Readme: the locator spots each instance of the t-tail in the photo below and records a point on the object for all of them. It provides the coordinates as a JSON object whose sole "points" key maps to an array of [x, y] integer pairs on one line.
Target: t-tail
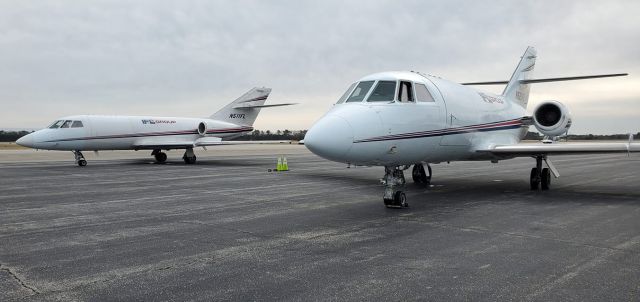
{"points": [[244, 110], [517, 89]]}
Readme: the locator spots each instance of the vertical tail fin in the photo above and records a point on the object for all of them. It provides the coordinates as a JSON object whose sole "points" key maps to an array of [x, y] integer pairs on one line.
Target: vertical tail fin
{"points": [[518, 92], [244, 110]]}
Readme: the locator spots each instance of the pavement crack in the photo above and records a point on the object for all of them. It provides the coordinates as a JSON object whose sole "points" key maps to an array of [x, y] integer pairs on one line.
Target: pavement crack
{"points": [[6, 269]]}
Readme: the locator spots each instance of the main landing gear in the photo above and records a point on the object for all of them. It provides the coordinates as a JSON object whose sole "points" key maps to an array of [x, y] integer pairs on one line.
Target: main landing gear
{"points": [[79, 158], [392, 180], [540, 177], [420, 176], [160, 156], [189, 157]]}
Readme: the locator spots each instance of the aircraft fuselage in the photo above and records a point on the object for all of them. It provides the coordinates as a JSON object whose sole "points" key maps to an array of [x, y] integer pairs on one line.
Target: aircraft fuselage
{"points": [[128, 132], [457, 120]]}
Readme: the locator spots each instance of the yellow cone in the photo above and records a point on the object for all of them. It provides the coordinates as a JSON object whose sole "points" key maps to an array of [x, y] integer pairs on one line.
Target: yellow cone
{"points": [[279, 165], [285, 166]]}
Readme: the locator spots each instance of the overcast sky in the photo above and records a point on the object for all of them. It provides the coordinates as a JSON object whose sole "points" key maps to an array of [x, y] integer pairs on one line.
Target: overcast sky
{"points": [[189, 58]]}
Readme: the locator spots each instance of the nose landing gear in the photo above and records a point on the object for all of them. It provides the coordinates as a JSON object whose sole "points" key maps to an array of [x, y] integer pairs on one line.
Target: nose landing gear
{"points": [[392, 180], [79, 158]]}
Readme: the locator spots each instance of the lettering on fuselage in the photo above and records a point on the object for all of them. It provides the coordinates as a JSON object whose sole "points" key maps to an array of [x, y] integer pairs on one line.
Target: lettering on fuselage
{"points": [[153, 122], [490, 99], [236, 115]]}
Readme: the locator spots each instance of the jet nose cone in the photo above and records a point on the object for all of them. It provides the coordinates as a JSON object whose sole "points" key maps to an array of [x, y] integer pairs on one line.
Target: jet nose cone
{"points": [[26, 141], [331, 137]]}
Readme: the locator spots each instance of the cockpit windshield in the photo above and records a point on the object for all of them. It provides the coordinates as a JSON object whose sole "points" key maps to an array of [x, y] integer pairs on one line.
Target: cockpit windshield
{"points": [[66, 124], [360, 92], [384, 92], [346, 94], [56, 124]]}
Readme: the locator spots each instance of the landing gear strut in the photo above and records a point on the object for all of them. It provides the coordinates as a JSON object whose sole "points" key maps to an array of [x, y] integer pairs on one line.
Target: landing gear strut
{"points": [[79, 158], [393, 178], [189, 157], [420, 176], [160, 156], [540, 177]]}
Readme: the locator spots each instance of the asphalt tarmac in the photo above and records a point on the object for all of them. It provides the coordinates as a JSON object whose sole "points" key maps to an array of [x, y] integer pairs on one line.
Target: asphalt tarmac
{"points": [[125, 228]]}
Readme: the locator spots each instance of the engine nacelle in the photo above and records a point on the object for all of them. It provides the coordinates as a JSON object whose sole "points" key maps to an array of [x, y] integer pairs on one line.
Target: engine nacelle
{"points": [[202, 128], [552, 118]]}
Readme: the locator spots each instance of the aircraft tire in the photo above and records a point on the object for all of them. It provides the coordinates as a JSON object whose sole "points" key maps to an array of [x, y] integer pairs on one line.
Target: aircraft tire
{"points": [[161, 157], [534, 180], [545, 180], [415, 174], [400, 199], [419, 175], [82, 162], [387, 202]]}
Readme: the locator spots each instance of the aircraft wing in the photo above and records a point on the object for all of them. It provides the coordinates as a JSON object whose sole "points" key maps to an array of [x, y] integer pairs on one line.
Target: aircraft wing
{"points": [[156, 143], [216, 141], [201, 142], [534, 149]]}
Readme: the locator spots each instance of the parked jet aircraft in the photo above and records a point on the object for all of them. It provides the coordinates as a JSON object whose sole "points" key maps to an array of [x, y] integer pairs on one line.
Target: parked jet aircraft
{"points": [[97, 132], [399, 119]]}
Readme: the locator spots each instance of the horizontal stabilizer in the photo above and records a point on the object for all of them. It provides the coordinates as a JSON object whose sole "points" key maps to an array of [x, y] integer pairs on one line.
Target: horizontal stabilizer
{"points": [[531, 81], [263, 106]]}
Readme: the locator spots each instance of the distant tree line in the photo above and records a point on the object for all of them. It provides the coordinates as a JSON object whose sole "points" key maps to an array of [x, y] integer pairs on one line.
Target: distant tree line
{"points": [[260, 135], [537, 136], [12, 136]]}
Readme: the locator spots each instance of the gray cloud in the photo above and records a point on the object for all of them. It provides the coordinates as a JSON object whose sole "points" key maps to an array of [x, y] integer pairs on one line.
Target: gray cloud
{"points": [[191, 57]]}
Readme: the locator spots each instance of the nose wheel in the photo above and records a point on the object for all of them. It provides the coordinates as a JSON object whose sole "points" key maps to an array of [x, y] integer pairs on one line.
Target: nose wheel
{"points": [[79, 158], [393, 180]]}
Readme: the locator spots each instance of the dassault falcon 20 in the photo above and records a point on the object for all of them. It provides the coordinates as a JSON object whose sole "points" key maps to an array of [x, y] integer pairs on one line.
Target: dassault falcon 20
{"points": [[96, 132], [399, 119]]}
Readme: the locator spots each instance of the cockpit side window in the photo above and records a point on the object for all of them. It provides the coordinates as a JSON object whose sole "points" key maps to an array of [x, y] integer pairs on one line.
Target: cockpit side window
{"points": [[422, 93], [66, 124], [77, 124], [384, 92], [346, 94], [405, 94], [360, 92], [56, 124]]}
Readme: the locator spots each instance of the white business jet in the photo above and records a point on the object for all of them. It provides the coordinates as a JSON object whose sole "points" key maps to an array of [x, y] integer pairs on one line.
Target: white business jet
{"points": [[399, 119], [98, 132]]}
